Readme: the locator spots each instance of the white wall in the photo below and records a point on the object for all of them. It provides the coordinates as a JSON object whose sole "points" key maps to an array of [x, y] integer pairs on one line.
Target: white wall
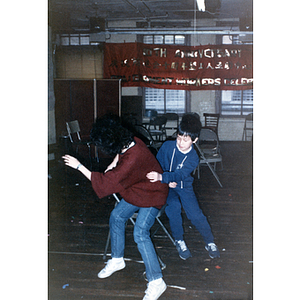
{"points": [[231, 129]]}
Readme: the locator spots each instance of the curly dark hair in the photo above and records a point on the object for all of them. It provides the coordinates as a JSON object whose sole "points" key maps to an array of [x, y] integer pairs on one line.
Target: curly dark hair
{"points": [[190, 125], [110, 136]]}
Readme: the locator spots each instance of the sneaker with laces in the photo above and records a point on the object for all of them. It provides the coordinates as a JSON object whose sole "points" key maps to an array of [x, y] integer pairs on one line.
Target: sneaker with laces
{"points": [[154, 289], [184, 252], [213, 250], [111, 267]]}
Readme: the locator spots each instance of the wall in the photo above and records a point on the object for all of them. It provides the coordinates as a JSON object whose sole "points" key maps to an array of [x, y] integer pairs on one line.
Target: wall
{"points": [[79, 62], [231, 129], [51, 98]]}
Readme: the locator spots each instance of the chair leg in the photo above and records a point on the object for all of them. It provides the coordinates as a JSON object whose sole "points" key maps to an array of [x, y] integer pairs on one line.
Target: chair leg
{"points": [[165, 230], [214, 173], [162, 264], [106, 246], [90, 156]]}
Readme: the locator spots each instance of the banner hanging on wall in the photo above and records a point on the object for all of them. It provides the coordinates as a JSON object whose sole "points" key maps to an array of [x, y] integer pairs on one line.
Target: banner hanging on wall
{"points": [[209, 67]]}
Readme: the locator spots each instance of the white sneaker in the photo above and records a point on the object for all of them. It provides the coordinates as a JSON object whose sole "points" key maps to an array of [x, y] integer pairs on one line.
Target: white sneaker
{"points": [[111, 267], [155, 289]]}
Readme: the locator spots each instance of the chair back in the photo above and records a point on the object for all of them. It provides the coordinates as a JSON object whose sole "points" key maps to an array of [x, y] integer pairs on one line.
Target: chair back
{"points": [[171, 117], [172, 121], [159, 121], [212, 121], [248, 126], [73, 129], [209, 141], [144, 134], [249, 117]]}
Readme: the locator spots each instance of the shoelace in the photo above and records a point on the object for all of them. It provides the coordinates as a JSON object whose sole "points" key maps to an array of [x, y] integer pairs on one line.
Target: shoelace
{"points": [[109, 265], [182, 245]]}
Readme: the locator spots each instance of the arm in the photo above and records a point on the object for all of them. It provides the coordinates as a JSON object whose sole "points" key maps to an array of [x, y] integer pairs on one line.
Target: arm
{"points": [[75, 164], [155, 176], [113, 164], [176, 176]]}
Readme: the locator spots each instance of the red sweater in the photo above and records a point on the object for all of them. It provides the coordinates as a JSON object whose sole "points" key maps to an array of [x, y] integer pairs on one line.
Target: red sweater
{"points": [[129, 179]]}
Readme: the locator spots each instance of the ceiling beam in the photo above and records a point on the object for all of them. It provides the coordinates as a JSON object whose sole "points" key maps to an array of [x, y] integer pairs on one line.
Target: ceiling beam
{"points": [[173, 31]]}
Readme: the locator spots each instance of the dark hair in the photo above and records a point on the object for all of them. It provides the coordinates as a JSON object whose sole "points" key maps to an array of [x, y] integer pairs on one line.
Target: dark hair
{"points": [[109, 135], [190, 125]]}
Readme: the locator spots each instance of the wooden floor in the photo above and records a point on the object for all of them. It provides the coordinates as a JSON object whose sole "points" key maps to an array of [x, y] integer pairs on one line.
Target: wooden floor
{"points": [[78, 228]]}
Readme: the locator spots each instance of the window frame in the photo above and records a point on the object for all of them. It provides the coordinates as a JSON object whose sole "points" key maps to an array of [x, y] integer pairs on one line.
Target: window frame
{"points": [[68, 39], [242, 105]]}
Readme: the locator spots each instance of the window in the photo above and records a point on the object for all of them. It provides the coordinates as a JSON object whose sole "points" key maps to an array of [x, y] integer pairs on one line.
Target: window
{"points": [[165, 100], [235, 103], [164, 39], [74, 39]]}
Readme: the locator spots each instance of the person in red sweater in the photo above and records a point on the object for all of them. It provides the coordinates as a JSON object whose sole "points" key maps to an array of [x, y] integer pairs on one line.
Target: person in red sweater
{"points": [[126, 175]]}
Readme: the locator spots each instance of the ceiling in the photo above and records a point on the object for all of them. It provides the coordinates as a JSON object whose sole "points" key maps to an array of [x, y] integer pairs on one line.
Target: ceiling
{"points": [[76, 15]]}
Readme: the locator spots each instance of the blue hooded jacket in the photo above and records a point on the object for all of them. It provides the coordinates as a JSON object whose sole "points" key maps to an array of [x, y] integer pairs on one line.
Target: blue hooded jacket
{"points": [[177, 166]]}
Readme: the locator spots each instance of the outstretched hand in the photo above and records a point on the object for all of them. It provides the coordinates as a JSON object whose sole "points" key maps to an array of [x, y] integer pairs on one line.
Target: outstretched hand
{"points": [[154, 176], [71, 161]]}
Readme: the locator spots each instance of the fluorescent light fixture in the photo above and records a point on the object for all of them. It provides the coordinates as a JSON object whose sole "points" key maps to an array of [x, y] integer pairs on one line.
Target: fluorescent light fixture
{"points": [[201, 5]]}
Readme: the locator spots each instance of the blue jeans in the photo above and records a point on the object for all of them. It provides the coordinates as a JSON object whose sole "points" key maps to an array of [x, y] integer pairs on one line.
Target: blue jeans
{"points": [[144, 221], [187, 199]]}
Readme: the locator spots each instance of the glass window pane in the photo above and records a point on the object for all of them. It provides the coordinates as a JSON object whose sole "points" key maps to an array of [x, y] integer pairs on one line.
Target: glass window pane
{"points": [[231, 102], [237, 102], [175, 101], [227, 39], [158, 39], [169, 39], [247, 102], [148, 39], [74, 39], [64, 40], [154, 99], [84, 40], [179, 39]]}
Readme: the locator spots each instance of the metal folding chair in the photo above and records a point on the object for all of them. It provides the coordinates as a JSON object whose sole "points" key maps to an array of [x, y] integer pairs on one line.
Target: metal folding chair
{"points": [[248, 127], [211, 121], [75, 138], [144, 134], [209, 152], [162, 264], [159, 128]]}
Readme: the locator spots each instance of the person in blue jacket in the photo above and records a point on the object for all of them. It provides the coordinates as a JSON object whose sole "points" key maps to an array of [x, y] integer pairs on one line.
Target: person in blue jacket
{"points": [[178, 159]]}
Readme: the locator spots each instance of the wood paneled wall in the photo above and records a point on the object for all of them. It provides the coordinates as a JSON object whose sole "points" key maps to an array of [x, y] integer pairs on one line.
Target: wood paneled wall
{"points": [[80, 62], [84, 100]]}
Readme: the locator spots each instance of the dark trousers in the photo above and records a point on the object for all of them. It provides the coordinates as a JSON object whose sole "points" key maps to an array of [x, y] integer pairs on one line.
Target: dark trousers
{"points": [[187, 199]]}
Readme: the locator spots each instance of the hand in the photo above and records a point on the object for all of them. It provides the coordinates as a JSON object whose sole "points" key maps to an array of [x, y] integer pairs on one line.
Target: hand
{"points": [[154, 176], [172, 185], [71, 161]]}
